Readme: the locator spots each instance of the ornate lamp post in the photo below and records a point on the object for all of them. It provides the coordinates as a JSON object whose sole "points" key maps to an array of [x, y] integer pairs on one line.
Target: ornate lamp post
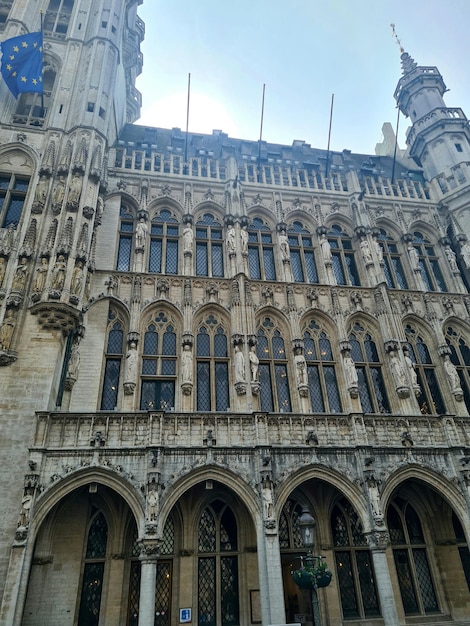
{"points": [[311, 576]]}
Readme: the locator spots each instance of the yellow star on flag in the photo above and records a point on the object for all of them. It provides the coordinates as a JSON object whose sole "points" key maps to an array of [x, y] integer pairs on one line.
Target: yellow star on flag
{"points": [[16, 49], [24, 79], [24, 44]]}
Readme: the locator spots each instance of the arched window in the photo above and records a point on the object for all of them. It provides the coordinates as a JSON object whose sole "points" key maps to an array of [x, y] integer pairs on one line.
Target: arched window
{"points": [[113, 360], [302, 257], [57, 18], [134, 580], [158, 364], [93, 572], [342, 256], [393, 269], [273, 377], [411, 559], [428, 263], [290, 537], [370, 380], [260, 251], [430, 400], [126, 235], [460, 357], [13, 190], [209, 247], [164, 243], [354, 568], [212, 366], [324, 394], [462, 545], [4, 11], [164, 576], [32, 107], [218, 597]]}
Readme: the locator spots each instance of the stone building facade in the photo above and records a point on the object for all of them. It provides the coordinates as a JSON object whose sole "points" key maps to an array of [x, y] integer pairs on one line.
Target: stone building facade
{"points": [[195, 351]]}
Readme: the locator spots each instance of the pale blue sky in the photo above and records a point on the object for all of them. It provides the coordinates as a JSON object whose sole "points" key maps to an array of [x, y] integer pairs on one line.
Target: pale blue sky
{"points": [[304, 50]]}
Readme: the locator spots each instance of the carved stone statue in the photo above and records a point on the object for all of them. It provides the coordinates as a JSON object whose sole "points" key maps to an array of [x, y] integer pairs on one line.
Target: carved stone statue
{"points": [[41, 274], [365, 251], [152, 505], [74, 361], [112, 284], [268, 501], [244, 239], [452, 374], [397, 369], [301, 370], [187, 364], [58, 192], [130, 375], [141, 234], [41, 191], [75, 190], [3, 269], [284, 246], [231, 239], [188, 237], [239, 365], [254, 364], [77, 279], [325, 248], [350, 371], [26, 503], [451, 258], [19, 280], [411, 369], [379, 251], [58, 273], [6, 329], [414, 257], [465, 252]]}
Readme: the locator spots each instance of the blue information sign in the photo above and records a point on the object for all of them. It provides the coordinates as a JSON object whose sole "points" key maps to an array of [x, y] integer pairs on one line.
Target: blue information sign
{"points": [[185, 616]]}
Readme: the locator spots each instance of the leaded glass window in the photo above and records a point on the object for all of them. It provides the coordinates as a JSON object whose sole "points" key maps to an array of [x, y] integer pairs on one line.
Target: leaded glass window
{"points": [[342, 257], [410, 554], [163, 593], [32, 107], [13, 190], [261, 251], [460, 357], [273, 371], [322, 382], [290, 537], [158, 364], [354, 567], [430, 399], [462, 545], [134, 579], [113, 361], [428, 263], [164, 243], [209, 247], [126, 236], [57, 17], [93, 572], [302, 258], [371, 384], [212, 366], [393, 269], [218, 596]]}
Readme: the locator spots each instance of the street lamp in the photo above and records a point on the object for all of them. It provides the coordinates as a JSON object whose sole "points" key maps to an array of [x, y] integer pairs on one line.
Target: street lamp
{"points": [[307, 525]]}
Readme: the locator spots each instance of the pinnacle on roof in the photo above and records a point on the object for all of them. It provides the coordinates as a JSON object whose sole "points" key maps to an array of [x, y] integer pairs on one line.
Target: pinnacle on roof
{"points": [[408, 64]]}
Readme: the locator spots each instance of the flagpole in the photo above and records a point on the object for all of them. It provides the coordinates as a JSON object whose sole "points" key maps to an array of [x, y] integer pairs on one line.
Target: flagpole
{"points": [[396, 146], [261, 134], [42, 92], [329, 137], [187, 121]]}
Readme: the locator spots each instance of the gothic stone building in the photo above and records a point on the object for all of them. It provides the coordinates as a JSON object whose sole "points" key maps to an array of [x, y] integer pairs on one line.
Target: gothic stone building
{"points": [[196, 351]]}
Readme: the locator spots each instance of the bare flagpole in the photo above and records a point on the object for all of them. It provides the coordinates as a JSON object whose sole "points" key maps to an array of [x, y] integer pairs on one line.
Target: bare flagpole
{"points": [[261, 134], [187, 121], [396, 146], [42, 92], [329, 137]]}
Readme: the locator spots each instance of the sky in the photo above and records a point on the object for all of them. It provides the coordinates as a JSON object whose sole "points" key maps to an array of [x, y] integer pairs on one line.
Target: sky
{"points": [[303, 51]]}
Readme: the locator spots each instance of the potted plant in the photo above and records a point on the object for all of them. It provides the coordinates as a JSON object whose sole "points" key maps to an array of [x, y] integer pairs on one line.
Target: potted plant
{"points": [[312, 576]]}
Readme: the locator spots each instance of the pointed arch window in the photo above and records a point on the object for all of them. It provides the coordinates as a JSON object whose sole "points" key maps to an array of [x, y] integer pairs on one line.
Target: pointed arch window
{"points": [[93, 572], [113, 360], [261, 251], [164, 244], [32, 108], [126, 235], [462, 545], [411, 559], [354, 568], [13, 190], [322, 381], [134, 580], [428, 262], [304, 269], [460, 357], [212, 366], [57, 18], [393, 269], [342, 256], [158, 364], [218, 596], [273, 372], [430, 400], [371, 384], [209, 247]]}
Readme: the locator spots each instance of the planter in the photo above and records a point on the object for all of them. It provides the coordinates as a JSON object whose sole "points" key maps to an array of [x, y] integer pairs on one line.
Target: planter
{"points": [[311, 579]]}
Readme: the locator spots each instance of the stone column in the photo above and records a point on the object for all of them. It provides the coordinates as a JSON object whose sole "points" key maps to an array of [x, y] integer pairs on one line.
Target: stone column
{"points": [[378, 541], [148, 579], [270, 574]]}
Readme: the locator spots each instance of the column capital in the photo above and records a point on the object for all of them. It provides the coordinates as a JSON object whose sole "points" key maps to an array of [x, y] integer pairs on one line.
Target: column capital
{"points": [[377, 540]]}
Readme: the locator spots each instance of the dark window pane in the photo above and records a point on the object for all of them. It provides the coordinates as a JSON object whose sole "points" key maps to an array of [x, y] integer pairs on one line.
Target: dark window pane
{"points": [[367, 584], [221, 387], [316, 396], [465, 559], [206, 592], [202, 267], [266, 396], [379, 390], [168, 367], [332, 392], [282, 387], [220, 344], [399, 274], [352, 269], [89, 614], [150, 342], [441, 286], [169, 343], [217, 260], [346, 585], [163, 594], [296, 264], [124, 254], [171, 257], [426, 586], [364, 391], [155, 258], [253, 257], [229, 591], [405, 580], [14, 211], [437, 401], [310, 264], [269, 267], [203, 344], [203, 386], [338, 269], [97, 538], [110, 384]]}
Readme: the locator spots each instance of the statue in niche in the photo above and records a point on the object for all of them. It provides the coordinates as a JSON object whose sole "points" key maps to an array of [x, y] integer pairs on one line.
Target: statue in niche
{"points": [[77, 279], [6, 329], [325, 248], [231, 239], [19, 280], [465, 252], [40, 276], [244, 239], [26, 504], [187, 364], [411, 369], [74, 361], [268, 500], [3, 269], [41, 191], [414, 257], [188, 238], [301, 370], [254, 364], [239, 365], [284, 246], [379, 251], [58, 192], [131, 364], [75, 190], [451, 258], [365, 251], [350, 371], [152, 505], [397, 370], [141, 234], [452, 374], [58, 273]]}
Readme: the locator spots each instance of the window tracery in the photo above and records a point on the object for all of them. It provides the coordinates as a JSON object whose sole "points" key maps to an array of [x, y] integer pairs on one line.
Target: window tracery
{"points": [[273, 371], [430, 400], [209, 247], [261, 251], [212, 366], [13, 190], [342, 257], [302, 256], [113, 360]]}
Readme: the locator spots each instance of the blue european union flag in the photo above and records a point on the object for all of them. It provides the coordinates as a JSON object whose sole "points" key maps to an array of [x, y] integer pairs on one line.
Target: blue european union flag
{"points": [[22, 63]]}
